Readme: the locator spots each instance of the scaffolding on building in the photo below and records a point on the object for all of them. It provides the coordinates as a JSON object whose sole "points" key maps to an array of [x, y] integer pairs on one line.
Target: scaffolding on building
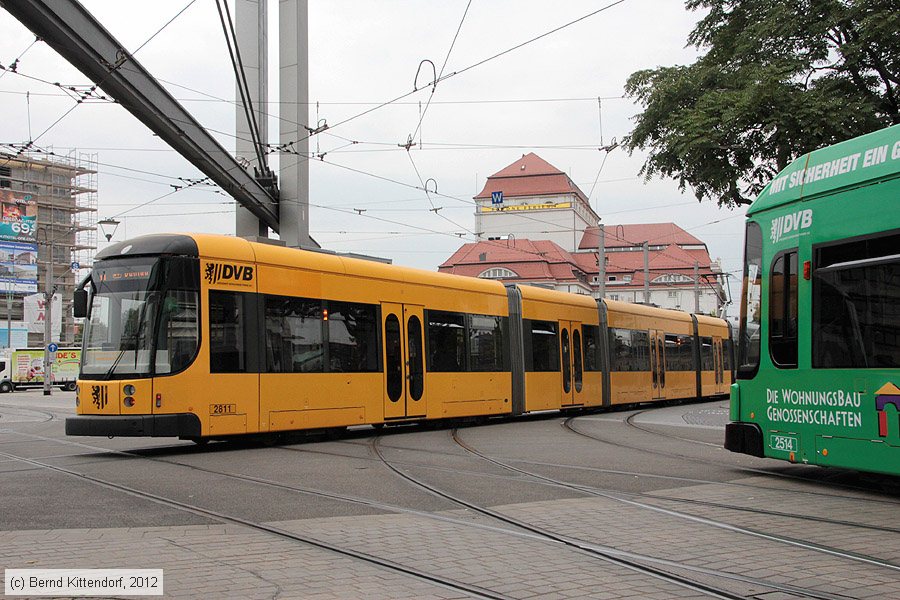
{"points": [[64, 189]]}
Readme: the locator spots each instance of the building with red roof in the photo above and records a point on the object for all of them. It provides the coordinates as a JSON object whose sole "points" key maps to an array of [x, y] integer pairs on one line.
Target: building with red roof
{"points": [[533, 199], [543, 232], [537, 262]]}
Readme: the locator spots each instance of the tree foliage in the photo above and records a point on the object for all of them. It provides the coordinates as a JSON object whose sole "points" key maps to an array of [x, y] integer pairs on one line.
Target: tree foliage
{"points": [[779, 78]]}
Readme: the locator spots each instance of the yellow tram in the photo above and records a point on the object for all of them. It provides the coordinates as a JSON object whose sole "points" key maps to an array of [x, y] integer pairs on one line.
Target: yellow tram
{"points": [[202, 336]]}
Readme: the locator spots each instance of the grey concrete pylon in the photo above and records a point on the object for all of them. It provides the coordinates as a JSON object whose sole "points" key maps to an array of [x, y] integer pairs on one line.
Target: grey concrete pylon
{"points": [[293, 69]]}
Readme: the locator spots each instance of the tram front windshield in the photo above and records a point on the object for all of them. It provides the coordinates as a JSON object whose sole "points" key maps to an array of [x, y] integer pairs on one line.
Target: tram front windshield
{"points": [[142, 320]]}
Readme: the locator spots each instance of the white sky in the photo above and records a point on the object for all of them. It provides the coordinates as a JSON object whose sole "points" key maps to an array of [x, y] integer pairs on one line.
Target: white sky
{"points": [[368, 52]]}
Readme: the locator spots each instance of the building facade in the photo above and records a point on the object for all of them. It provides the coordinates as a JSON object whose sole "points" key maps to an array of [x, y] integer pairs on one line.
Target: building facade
{"points": [[48, 224], [545, 233], [537, 201]]}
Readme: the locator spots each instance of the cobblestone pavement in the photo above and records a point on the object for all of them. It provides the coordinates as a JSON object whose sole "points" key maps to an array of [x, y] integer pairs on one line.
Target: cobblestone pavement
{"points": [[54, 520]]}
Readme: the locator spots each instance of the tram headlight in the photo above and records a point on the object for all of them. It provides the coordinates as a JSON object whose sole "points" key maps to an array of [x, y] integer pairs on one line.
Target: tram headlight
{"points": [[129, 390]]}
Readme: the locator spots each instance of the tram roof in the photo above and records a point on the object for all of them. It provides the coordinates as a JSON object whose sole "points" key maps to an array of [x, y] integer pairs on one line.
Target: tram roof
{"points": [[321, 261], [852, 163]]}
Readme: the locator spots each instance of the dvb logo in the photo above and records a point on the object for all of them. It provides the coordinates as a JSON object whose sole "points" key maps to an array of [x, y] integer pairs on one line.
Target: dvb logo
{"points": [[220, 272], [99, 396]]}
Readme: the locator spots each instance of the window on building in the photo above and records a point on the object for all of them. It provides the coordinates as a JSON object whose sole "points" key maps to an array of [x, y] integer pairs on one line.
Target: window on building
{"points": [[856, 304], [498, 273], [227, 333], [783, 310]]}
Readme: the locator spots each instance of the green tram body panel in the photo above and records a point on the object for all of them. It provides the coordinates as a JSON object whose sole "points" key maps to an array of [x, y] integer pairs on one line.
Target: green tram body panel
{"points": [[820, 413]]}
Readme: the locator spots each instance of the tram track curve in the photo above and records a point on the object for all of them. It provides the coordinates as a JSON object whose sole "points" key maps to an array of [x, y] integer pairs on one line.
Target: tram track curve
{"points": [[445, 582], [367, 502], [567, 424], [629, 560], [650, 497], [622, 498]]}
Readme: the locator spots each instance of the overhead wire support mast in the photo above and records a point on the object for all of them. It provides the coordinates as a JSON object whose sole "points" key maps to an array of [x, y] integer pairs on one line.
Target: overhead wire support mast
{"points": [[265, 175], [67, 27]]}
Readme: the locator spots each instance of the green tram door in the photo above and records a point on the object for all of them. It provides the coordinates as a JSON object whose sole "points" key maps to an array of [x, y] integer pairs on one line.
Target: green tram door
{"points": [[404, 360]]}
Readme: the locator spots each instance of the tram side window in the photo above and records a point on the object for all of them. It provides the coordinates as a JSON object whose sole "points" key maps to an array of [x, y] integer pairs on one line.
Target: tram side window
{"points": [[679, 352], [227, 333], [783, 310], [707, 357], [486, 343], [446, 341], [629, 350], [178, 331], [856, 304], [352, 338], [727, 354], [544, 341], [748, 338], [294, 335], [591, 337]]}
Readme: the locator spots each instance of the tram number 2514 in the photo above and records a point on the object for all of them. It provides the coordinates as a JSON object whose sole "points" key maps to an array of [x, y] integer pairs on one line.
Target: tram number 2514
{"points": [[784, 442]]}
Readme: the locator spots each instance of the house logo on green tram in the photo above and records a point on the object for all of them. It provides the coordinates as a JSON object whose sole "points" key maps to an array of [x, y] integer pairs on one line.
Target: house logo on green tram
{"points": [[888, 394]]}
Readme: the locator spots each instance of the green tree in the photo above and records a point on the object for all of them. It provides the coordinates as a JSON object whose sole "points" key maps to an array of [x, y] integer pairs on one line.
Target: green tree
{"points": [[778, 78]]}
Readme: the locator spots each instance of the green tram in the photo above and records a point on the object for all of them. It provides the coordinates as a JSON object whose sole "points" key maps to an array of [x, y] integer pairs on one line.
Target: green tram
{"points": [[818, 377]]}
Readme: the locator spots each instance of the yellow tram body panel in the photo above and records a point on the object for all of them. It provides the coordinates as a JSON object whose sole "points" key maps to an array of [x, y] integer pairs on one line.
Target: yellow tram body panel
{"points": [[288, 401], [257, 398], [546, 390], [715, 381], [640, 379]]}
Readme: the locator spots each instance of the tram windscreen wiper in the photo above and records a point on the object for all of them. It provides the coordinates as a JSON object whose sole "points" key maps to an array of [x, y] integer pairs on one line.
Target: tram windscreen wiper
{"points": [[134, 342], [115, 364]]}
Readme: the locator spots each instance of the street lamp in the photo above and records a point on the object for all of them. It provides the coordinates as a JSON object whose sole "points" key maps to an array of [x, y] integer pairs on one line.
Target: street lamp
{"points": [[49, 292], [110, 222]]}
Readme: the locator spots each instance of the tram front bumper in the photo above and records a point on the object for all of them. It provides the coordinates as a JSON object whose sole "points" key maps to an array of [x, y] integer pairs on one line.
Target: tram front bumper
{"points": [[746, 438], [183, 425]]}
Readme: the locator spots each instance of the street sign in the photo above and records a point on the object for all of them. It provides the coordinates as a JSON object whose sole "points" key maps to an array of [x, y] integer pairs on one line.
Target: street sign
{"points": [[75, 266], [53, 347], [496, 197]]}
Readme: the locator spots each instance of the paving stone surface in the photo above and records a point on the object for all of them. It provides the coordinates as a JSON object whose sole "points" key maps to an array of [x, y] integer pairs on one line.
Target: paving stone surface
{"points": [[50, 519]]}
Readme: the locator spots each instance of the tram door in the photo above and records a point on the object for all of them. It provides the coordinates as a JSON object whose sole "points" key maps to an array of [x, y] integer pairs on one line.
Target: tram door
{"points": [[572, 363], [658, 364], [404, 360], [719, 365]]}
